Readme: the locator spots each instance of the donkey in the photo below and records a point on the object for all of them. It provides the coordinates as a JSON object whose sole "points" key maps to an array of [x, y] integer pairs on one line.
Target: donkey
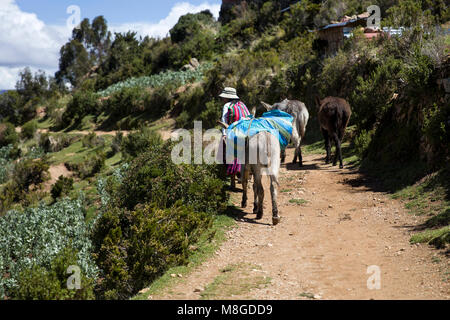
{"points": [[262, 157], [334, 116], [298, 110]]}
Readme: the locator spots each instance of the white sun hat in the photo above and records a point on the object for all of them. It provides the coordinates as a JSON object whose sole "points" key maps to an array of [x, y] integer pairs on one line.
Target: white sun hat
{"points": [[229, 93]]}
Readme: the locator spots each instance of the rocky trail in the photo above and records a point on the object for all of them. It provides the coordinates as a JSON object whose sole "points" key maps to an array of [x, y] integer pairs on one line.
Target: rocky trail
{"points": [[97, 132], [334, 226]]}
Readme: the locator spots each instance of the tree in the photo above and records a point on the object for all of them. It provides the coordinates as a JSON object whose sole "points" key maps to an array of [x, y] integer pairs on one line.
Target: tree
{"points": [[74, 63], [125, 59], [189, 24], [30, 87], [9, 102], [20, 106], [88, 47], [192, 36], [100, 40]]}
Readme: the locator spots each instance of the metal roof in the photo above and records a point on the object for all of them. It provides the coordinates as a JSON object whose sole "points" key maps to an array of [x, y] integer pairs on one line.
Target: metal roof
{"points": [[341, 24], [289, 8]]}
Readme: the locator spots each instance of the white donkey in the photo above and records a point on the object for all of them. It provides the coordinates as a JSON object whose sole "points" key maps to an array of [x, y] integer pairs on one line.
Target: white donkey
{"points": [[298, 110], [262, 157]]}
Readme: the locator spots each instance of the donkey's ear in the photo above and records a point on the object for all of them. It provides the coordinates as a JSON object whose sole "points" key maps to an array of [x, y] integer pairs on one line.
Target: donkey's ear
{"points": [[318, 101], [266, 105], [224, 125], [254, 111]]}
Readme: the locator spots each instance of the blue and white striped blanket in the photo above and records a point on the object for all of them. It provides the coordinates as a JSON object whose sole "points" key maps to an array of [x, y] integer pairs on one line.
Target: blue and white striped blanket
{"points": [[277, 122]]}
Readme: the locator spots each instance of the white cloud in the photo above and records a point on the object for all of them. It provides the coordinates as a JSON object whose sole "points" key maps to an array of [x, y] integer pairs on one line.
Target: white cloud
{"points": [[27, 41], [9, 75], [161, 29]]}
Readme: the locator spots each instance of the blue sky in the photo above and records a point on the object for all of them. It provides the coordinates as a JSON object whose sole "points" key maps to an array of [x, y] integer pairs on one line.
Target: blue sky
{"points": [[33, 31], [115, 11]]}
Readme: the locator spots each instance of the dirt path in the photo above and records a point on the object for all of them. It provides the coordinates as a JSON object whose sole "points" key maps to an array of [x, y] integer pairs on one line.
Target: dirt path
{"points": [[323, 248], [55, 172], [86, 132]]}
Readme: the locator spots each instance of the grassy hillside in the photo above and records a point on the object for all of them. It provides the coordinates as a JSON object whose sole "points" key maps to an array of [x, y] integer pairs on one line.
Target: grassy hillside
{"points": [[120, 186]]}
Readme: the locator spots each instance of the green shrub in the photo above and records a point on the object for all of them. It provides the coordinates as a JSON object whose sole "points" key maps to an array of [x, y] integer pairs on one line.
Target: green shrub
{"points": [[418, 70], [6, 163], [139, 142], [158, 101], [370, 98], [183, 120], [56, 142], [91, 140], [154, 210], [55, 110], [133, 248], [24, 174], [154, 178], [362, 143], [35, 152], [212, 112], [8, 134], [29, 129], [436, 128], [61, 187], [10, 152], [10, 104], [39, 235], [106, 187], [124, 102], [38, 283], [236, 32], [82, 104], [89, 167], [29, 172], [117, 142], [191, 102]]}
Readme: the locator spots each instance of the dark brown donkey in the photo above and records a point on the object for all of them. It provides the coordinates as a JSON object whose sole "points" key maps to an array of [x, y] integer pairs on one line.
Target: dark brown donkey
{"points": [[334, 115]]}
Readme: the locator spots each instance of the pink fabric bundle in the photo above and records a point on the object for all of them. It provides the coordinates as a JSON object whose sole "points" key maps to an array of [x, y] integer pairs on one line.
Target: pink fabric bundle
{"points": [[233, 168]]}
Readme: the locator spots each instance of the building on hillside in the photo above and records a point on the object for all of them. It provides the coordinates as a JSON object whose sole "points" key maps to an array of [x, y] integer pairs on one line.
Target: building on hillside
{"points": [[335, 33]]}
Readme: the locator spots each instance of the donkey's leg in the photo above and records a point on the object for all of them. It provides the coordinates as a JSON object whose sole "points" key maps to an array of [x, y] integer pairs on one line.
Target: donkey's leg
{"points": [[338, 151], [300, 156], [255, 197], [274, 193], [298, 151], [244, 179], [260, 194], [327, 145], [260, 200], [283, 156], [255, 191], [233, 182], [295, 155], [296, 140]]}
